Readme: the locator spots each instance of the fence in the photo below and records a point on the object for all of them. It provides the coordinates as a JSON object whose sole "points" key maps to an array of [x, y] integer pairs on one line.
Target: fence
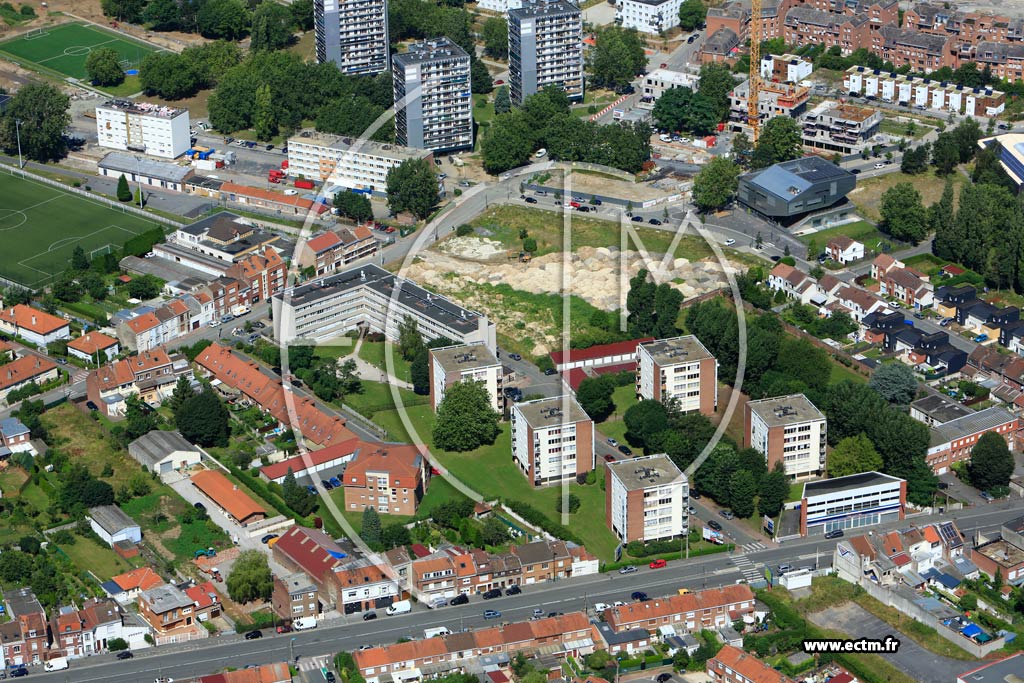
{"points": [[364, 421]]}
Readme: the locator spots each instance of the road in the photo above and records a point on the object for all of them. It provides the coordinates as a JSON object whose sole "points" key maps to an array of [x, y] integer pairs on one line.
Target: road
{"points": [[348, 633]]}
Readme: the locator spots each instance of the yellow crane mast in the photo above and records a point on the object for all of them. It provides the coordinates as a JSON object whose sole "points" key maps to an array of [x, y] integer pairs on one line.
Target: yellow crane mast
{"points": [[753, 117]]}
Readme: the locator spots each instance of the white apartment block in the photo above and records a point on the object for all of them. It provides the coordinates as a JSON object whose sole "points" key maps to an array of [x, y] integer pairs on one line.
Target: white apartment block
{"points": [[658, 81], [790, 430], [545, 48], [369, 297], [646, 499], [680, 369], [143, 127], [499, 6], [648, 16], [465, 363], [552, 440], [347, 163], [433, 100], [923, 93], [353, 34]]}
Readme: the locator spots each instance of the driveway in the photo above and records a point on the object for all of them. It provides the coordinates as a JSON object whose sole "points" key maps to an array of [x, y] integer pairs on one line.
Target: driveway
{"points": [[911, 658]]}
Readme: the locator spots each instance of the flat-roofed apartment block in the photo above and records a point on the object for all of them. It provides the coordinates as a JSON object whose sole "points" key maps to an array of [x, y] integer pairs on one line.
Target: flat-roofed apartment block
{"points": [[776, 99], [352, 164], [361, 298], [465, 363], [646, 499], [1010, 150], [786, 68], [552, 440], [545, 47], [353, 34], [923, 92], [658, 81], [843, 128], [648, 16], [433, 102], [851, 502], [790, 430], [681, 369], [143, 127]]}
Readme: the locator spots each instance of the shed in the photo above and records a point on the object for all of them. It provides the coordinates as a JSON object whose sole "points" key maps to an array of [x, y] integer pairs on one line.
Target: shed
{"points": [[112, 525], [164, 452]]}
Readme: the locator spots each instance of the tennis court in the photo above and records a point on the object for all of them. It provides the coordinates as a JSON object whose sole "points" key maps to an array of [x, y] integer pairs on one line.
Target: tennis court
{"points": [[40, 226], [65, 48]]}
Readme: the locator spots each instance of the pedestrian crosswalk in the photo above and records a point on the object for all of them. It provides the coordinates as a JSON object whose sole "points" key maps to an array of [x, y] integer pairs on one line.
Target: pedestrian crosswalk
{"points": [[751, 547], [312, 663], [750, 572]]}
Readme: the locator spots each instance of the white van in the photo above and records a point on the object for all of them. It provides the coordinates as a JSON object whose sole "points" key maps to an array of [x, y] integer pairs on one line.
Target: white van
{"points": [[304, 623], [400, 607], [435, 632], [58, 664]]}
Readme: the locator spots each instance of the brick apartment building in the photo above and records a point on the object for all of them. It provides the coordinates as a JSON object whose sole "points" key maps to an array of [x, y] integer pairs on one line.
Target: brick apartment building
{"points": [[787, 429], [706, 609], [552, 440], [391, 478], [646, 499], [150, 375], [733, 665], [331, 251], [680, 369]]}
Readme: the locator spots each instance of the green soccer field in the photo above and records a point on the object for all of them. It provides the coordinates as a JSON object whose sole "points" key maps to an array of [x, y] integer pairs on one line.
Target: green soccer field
{"points": [[40, 226], [64, 48]]}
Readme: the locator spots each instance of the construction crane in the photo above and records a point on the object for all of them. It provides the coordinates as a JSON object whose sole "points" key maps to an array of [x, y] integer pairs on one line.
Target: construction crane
{"points": [[754, 96]]}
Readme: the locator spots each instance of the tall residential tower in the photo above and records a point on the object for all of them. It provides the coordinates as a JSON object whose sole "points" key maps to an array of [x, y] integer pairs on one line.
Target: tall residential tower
{"points": [[353, 34], [545, 47], [433, 101]]}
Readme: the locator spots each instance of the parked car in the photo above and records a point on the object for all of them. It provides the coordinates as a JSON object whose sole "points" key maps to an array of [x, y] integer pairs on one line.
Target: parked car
{"points": [[513, 590], [125, 654], [639, 596], [335, 482], [265, 540], [253, 635], [879, 165], [712, 524], [658, 564], [654, 221], [987, 496], [531, 200], [22, 671], [492, 614], [628, 569], [550, 371], [326, 484], [637, 219], [199, 506], [694, 494], [692, 510], [499, 82], [329, 677], [311, 489], [270, 147], [612, 442], [664, 678], [835, 533], [727, 514], [460, 599], [783, 568], [515, 356], [601, 606], [625, 450], [368, 616], [729, 242], [91, 406], [538, 612], [491, 594]]}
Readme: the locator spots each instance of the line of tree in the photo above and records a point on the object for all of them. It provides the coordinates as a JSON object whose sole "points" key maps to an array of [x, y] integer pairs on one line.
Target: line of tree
{"points": [[40, 113], [616, 58], [270, 24], [545, 121], [174, 76]]}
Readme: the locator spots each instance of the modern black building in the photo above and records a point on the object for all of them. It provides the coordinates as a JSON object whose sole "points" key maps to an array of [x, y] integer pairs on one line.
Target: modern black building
{"points": [[796, 187]]}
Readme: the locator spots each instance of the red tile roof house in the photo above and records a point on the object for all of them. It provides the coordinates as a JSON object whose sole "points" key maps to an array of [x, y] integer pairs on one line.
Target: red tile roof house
{"points": [[314, 461], [172, 614], [391, 478], [692, 612], [733, 665], [29, 617], [24, 371], [796, 284], [329, 251], [32, 325], [151, 375], [267, 673], [843, 249], [94, 347]]}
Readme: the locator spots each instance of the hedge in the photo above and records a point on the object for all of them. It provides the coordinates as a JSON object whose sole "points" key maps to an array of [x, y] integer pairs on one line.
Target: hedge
{"points": [[537, 518], [611, 566]]}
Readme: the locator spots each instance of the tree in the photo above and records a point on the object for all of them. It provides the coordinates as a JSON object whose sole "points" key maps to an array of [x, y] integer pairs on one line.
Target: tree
{"points": [[250, 578], [410, 341], [742, 147], [945, 153], [144, 286], [574, 503], [264, 122], [371, 527], [853, 455], [117, 644], [774, 491], [271, 26], [742, 490], [466, 418], [354, 205], [182, 392], [716, 82], [644, 420], [169, 75], [162, 15], [942, 221], [297, 497], [412, 187], [915, 159], [780, 140], [123, 10], [495, 36], [715, 185], [349, 115], [494, 532], [595, 397], [903, 214], [507, 144], [502, 102], [395, 535], [617, 57], [203, 420], [79, 261], [692, 14], [103, 66], [480, 80], [683, 109], [227, 19], [991, 463], [895, 382], [419, 370], [40, 111], [302, 14], [139, 418]]}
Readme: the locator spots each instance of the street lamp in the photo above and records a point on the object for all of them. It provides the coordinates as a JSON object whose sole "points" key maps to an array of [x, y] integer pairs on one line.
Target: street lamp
{"points": [[138, 177], [291, 649], [17, 132]]}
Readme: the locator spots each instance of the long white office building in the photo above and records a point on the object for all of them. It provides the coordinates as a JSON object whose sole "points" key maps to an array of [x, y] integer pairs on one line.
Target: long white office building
{"points": [[347, 163], [851, 502], [371, 298], [143, 127]]}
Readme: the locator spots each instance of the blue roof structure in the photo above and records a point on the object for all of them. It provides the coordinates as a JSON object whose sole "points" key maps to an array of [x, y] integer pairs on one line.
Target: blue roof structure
{"points": [[971, 630], [947, 581]]}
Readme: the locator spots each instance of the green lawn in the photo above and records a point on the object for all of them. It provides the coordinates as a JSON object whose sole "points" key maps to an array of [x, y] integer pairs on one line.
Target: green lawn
{"points": [[99, 559], [42, 225], [841, 373], [862, 231], [484, 113], [63, 49], [614, 427], [376, 397], [374, 354], [929, 264]]}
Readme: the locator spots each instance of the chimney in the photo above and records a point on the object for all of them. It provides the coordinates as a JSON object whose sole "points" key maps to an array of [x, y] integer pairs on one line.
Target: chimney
{"points": [[33, 319]]}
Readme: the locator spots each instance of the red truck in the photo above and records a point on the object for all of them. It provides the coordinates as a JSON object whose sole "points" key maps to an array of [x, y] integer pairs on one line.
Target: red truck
{"points": [[304, 184], [275, 175]]}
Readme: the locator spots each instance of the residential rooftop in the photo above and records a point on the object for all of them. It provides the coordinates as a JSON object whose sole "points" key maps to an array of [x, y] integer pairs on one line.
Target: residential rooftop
{"points": [[981, 421], [785, 410], [150, 168], [461, 357], [551, 412], [939, 408], [637, 474], [357, 145], [427, 51], [676, 350], [553, 8], [143, 108]]}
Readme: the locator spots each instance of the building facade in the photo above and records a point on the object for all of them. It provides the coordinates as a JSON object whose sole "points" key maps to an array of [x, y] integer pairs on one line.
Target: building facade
{"points": [[790, 430], [465, 363], [658, 81], [433, 102], [648, 16], [151, 129], [391, 478], [646, 499], [353, 34], [851, 502], [545, 48], [953, 441], [552, 440], [347, 163], [842, 128], [923, 93], [680, 369]]}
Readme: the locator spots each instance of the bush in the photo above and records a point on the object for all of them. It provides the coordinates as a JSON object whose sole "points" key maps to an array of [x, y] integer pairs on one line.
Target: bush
{"points": [[574, 502], [463, 230], [537, 518]]}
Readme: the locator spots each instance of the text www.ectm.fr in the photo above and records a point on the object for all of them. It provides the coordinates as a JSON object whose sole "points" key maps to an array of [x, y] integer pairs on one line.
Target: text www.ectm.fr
{"points": [[887, 645]]}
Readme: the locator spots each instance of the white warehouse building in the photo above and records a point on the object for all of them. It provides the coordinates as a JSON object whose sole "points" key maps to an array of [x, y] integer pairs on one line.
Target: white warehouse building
{"points": [[151, 129]]}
